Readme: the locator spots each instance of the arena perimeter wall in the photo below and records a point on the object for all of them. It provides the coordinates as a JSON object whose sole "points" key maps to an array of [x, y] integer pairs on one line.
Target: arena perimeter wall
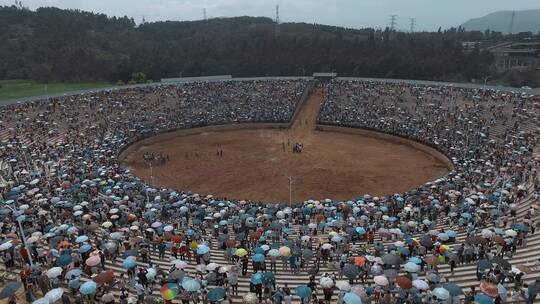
{"points": [[422, 146]]}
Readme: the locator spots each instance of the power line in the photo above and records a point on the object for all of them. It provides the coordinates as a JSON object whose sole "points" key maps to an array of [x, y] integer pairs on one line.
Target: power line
{"points": [[412, 24], [393, 22]]}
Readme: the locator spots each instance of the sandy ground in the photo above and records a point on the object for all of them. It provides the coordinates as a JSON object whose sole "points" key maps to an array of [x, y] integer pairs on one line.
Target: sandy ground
{"points": [[255, 166]]}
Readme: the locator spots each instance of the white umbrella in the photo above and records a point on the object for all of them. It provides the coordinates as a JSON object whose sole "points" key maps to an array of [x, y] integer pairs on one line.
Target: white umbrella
{"points": [[212, 266], [511, 233], [343, 285], [43, 300], [381, 280], [441, 293], [326, 282], [6, 246], [54, 294], [420, 284], [54, 272]]}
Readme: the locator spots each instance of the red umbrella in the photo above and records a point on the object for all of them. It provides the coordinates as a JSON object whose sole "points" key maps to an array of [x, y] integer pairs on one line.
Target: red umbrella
{"points": [[489, 289], [404, 282], [104, 277]]}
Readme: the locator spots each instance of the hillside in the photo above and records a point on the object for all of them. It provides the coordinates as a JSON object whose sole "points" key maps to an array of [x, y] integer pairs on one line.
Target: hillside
{"points": [[524, 21], [52, 44]]}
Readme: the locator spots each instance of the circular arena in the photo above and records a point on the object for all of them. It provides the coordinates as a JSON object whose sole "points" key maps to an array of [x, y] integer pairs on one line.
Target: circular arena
{"points": [[274, 191], [261, 164]]}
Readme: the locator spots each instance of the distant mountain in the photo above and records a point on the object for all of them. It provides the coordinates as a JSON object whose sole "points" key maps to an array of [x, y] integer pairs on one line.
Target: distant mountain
{"points": [[524, 21]]}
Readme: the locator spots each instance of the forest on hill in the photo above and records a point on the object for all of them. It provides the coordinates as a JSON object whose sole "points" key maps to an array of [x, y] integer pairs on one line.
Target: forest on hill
{"points": [[51, 44]]}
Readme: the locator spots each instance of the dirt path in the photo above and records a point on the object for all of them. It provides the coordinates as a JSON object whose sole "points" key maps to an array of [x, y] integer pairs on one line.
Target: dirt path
{"points": [[256, 163]]}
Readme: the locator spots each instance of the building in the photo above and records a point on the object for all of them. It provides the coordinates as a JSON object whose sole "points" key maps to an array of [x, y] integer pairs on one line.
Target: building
{"points": [[517, 56]]}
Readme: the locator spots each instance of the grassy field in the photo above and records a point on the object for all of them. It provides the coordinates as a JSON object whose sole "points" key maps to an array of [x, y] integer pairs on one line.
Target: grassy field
{"points": [[11, 89]]}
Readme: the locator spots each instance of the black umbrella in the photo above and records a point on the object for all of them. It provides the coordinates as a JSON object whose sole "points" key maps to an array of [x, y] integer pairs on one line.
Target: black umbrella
{"points": [[307, 254], [501, 262], [391, 259], [10, 289], [350, 271], [426, 241]]}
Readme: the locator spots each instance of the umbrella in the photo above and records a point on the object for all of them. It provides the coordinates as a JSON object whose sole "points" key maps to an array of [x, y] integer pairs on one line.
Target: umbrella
{"points": [[54, 272], [178, 264], [484, 264], [274, 253], [481, 298], [303, 291], [241, 252], [258, 258], [411, 267], [129, 263], [10, 289], [501, 262], [404, 282], [489, 289], [43, 300], [420, 284], [6, 245], [88, 288], [211, 266], [453, 289], [351, 298], [390, 259], [256, 278], [326, 282], [350, 271], [85, 248], [104, 277], [73, 272], [169, 291], [191, 285], [359, 261], [343, 285], [285, 251], [441, 293], [54, 294], [433, 277], [176, 275], [202, 249], [216, 294], [380, 280], [81, 239], [64, 260], [93, 260]]}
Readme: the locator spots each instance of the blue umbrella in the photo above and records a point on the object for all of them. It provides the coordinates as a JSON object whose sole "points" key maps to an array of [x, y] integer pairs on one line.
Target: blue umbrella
{"points": [[453, 289], [85, 248], [216, 294], [259, 250], [191, 285], [481, 298], [64, 260], [202, 249], [303, 291], [451, 233], [256, 278], [258, 258], [351, 298], [81, 239], [360, 230], [88, 288], [129, 263], [415, 260], [10, 289]]}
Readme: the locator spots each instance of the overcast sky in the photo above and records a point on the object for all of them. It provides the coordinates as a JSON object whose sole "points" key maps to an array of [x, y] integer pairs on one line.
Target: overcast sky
{"points": [[429, 14]]}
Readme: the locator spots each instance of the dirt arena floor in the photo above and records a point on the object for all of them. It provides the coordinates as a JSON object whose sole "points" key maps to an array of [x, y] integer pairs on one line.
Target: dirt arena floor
{"points": [[254, 165]]}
